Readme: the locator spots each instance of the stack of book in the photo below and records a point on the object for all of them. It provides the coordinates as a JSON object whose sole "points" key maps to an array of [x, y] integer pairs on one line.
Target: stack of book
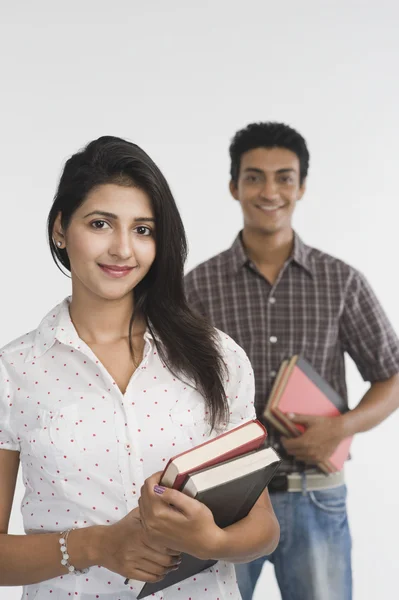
{"points": [[227, 474], [299, 389]]}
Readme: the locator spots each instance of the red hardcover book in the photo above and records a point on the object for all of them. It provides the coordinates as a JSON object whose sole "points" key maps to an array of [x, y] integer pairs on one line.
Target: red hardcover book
{"points": [[242, 439], [301, 390]]}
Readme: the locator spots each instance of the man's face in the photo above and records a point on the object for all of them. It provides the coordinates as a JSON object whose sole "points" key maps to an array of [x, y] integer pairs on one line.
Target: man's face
{"points": [[268, 188]]}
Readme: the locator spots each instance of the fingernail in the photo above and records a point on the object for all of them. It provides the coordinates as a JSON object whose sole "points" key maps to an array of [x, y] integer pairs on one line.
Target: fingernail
{"points": [[159, 489]]}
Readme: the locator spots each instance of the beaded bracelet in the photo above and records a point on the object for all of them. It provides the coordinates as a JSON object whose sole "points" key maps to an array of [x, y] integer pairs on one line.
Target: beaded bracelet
{"points": [[65, 556]]}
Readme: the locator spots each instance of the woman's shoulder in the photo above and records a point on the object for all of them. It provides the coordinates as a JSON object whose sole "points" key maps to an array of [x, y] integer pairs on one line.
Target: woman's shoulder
{"points": [[239, 382], [18, 348], [21, 347], [230, 350]]}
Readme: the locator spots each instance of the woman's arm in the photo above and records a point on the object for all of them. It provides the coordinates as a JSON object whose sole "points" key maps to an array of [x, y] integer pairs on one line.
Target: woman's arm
{"points": [[256, 535], [122, 547], [188, 525], [26, 559]]}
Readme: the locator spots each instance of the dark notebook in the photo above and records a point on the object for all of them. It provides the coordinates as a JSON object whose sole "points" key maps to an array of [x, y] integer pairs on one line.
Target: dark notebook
{"points": [[230, 490]]}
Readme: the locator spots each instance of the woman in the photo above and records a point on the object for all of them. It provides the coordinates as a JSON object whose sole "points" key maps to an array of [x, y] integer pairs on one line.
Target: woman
{"points": [[116, 379]]}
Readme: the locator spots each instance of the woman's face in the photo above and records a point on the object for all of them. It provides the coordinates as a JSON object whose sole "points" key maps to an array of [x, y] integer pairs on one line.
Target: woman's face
{"points": [[110, 241]]}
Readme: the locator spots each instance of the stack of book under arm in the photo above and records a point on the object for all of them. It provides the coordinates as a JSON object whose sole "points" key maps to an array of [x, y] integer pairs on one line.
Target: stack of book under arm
{"points": [[228, 474], [300, 390]]}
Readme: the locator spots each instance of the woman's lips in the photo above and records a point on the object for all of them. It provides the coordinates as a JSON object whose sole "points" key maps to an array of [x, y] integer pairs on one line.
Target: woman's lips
{"points": [[116, 272]]}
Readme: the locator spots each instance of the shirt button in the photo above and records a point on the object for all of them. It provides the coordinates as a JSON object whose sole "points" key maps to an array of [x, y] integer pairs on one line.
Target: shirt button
{"points": [[272, 339], [272, 300], [273, 373]]}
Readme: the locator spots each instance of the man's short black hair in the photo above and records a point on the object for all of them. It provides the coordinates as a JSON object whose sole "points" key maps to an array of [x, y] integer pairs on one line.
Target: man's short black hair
{"points": [[268, 135]]}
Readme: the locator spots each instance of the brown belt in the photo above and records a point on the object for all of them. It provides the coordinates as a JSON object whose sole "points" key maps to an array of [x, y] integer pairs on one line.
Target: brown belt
{"points": [[299, 482]]}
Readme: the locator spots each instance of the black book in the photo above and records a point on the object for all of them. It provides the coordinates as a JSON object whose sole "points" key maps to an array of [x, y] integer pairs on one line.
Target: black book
{"points": [[229, 490]]}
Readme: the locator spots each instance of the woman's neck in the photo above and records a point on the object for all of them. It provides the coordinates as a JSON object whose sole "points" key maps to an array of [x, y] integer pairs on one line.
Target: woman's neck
{"points": [[100, 321]]}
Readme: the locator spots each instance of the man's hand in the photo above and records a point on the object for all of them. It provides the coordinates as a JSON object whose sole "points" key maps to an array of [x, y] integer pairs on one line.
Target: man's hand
{"points": [[319, 440]]}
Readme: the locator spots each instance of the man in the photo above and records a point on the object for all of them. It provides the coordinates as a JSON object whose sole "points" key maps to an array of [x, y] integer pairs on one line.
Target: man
{"points": [[278, 297]]}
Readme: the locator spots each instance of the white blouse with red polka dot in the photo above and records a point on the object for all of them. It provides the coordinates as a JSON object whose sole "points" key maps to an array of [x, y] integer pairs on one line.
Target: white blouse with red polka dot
{"points": [[86, 448]]}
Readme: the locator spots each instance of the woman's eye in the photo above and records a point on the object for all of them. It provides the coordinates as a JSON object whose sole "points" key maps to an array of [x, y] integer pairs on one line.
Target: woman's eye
{"points": [[99, 224], [142, 230]]}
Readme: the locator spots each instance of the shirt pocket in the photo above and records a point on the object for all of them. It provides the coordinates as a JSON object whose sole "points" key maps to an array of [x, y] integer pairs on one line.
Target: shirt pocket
{"points": [[188, 419], [52, 442]]}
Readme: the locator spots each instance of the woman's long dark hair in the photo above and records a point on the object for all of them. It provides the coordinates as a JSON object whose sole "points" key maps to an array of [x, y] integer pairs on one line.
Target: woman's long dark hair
{"points": [[188, 343]]}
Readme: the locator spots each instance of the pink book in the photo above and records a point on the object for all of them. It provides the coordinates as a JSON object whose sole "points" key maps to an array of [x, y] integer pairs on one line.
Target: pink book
{"points": [[301, 390]]}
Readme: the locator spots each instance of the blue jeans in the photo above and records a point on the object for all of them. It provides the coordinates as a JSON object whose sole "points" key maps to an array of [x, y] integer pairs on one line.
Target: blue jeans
{"points": [[313, 558]]}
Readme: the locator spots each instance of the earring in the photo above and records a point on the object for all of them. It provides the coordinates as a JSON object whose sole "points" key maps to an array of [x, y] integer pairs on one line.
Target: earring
{"points": [[59, 244]]}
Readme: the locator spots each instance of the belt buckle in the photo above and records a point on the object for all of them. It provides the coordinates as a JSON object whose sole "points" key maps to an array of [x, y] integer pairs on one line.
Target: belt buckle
{"points": [[279, 483]]}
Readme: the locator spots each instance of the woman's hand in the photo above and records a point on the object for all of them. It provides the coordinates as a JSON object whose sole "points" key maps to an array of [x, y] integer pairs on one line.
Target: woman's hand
{"points": [[175, 520], [127, 548]]}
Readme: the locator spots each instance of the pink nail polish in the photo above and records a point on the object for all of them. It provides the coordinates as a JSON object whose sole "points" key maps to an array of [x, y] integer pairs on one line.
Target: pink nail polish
{"points": [[159, 489]]}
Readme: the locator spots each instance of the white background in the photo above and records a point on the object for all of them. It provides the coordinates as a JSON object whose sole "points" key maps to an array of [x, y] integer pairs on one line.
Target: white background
{"points": [[179, 78]]}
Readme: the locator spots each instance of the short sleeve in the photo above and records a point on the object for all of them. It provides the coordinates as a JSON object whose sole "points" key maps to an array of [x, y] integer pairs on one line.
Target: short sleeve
{"points": [[366, 333], [8, 440], [239, 382]]}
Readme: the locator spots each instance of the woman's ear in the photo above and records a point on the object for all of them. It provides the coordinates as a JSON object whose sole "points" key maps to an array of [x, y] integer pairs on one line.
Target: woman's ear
{"points": [[58, 232]]}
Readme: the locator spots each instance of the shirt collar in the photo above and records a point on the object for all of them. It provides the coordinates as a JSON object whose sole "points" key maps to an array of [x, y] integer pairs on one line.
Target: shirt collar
{"points": [[237, 255], [300, 254], [57, 326]]}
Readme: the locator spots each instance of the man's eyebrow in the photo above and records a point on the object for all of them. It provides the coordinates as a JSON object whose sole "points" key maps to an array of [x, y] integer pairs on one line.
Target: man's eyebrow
{"points": [[109, 215], [284, 170], [253, 169]]}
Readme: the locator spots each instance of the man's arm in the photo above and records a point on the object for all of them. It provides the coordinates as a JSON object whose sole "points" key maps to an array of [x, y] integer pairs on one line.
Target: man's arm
{"points": [[378, 403], [323, 434], [368, 337]]}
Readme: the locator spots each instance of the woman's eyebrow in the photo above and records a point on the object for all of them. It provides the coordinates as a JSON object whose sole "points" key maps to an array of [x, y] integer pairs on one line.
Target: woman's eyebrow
{"points": [[110, 215]]}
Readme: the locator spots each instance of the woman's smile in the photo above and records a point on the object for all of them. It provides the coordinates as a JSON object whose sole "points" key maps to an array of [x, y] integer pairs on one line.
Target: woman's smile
{"points": [[115, 271]]}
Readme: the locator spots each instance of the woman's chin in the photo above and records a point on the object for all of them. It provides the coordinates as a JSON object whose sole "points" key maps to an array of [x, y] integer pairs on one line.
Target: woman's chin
{"points": [[113, 294]]}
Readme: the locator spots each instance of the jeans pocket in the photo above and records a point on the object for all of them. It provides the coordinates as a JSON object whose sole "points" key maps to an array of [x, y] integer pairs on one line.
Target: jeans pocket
{"points": [[332, 500]]}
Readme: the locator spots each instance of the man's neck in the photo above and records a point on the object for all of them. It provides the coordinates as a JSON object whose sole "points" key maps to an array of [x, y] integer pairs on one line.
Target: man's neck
{"points": [[268, 252]]}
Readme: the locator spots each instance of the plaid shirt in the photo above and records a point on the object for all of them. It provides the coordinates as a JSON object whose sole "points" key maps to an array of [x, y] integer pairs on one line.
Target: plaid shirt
{"points": [[319, 307]]}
